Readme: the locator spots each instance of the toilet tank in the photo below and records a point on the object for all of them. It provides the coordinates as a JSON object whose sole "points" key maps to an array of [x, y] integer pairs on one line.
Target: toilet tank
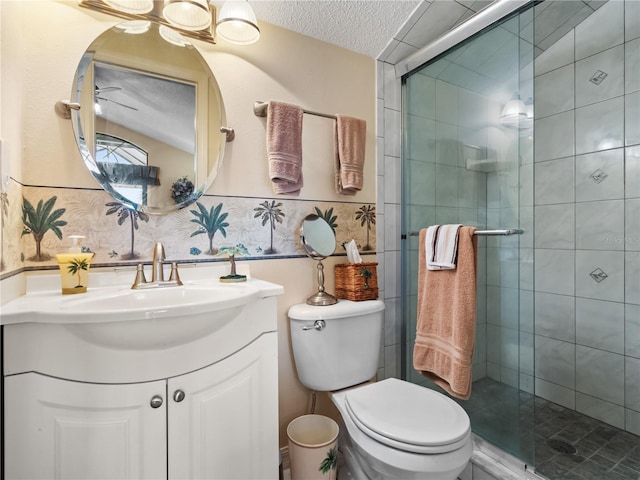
{"points": [[345, 351]]}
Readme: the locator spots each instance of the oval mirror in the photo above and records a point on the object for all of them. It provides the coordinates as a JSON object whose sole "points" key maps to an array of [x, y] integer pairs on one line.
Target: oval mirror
{"points": [[148, 126]]}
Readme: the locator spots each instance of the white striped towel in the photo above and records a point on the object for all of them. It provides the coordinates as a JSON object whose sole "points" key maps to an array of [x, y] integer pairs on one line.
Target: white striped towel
{"points": [[441, 246]]}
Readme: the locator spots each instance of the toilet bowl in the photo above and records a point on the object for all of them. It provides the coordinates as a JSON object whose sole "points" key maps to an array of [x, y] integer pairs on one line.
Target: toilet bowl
{"points": [[403, 431], [391, 429]]}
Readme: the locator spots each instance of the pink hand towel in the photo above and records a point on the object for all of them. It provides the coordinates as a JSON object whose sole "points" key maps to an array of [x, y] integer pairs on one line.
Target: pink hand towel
{"points": [[284, 147], [445, 331], [350, 145]]}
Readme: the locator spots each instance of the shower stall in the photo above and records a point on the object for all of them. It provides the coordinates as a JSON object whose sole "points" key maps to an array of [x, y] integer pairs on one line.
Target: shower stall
{"points": [[532, 126]]}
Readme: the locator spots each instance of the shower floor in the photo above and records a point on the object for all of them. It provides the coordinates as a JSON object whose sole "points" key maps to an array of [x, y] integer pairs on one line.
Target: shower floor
{"points": [[585, 448]]}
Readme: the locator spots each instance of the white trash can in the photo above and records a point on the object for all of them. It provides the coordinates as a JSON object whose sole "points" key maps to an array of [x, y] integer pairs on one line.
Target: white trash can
{"points": [[313, 447]]}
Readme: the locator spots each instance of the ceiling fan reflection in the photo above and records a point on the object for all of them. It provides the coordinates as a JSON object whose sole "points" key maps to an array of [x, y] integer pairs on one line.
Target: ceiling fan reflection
{"points": [[117, 103], [98, 91]]}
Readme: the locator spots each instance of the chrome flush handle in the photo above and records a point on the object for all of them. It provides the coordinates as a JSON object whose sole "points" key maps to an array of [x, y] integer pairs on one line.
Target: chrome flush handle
{"points": [[317, 325]]}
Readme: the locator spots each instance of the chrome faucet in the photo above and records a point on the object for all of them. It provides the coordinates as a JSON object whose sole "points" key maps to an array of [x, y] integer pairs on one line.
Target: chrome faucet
{"points": [[157, 272]]}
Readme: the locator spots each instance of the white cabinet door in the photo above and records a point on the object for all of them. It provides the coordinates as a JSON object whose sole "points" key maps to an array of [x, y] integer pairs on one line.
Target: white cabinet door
{"points": [[226, 426], [56, 429]]}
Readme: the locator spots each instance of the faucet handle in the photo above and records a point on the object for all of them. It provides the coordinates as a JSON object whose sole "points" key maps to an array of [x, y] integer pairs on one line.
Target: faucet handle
{"points": [[140, 278], [174, 276]]}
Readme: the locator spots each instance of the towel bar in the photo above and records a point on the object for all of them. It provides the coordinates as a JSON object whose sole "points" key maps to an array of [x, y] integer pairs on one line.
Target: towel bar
{"points": [[260, 110], [508, 231]]}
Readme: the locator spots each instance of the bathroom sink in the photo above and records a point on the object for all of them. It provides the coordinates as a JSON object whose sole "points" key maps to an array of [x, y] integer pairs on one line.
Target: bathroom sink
{"points": [[127, 304], [119, 317], [155, 318]]}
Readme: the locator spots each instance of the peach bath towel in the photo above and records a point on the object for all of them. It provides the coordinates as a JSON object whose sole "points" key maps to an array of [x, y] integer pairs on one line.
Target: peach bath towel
{"points": [[445, 332], [284, 147], [350, 144]]}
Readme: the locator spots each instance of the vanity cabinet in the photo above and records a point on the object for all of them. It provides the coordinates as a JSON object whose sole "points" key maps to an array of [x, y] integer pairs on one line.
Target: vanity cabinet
{"points": [[60, 429], [223, 428], [214, 423], [77, 407]]}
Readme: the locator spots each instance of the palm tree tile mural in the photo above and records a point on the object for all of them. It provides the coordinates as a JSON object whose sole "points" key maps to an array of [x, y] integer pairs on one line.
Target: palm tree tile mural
{"points": [[210, 222], [247, 227], [125, 213], [39, 220], [270, 212], [367, 216]]}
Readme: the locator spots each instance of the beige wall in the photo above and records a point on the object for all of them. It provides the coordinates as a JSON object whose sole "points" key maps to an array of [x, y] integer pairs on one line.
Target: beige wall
{"points": [[39, 57], [282, 66]]}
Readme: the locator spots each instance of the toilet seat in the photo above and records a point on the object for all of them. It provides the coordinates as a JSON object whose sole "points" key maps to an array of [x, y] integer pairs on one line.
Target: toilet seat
{"points": [[408, 417]]}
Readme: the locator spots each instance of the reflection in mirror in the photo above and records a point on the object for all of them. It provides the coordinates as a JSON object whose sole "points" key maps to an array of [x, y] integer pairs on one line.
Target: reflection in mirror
{"points": [[125, 164], [148, 127], [319, 241]]}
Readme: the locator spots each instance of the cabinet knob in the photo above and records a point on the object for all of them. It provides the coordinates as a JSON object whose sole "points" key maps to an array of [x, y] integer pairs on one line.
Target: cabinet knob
{"points": [[156, 401], [178, 395]]}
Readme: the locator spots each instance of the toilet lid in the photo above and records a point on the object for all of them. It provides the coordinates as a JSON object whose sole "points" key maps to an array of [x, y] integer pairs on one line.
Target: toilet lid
{"points": [[408, 417]]}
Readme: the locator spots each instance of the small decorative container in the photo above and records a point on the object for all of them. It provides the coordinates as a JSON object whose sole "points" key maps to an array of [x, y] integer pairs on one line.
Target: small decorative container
{"points": [[74, 267], [357, 281], [74, 271]]}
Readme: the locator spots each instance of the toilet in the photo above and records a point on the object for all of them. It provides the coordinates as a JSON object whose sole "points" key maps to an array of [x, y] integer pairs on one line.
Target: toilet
{"points": [[391, 429]]}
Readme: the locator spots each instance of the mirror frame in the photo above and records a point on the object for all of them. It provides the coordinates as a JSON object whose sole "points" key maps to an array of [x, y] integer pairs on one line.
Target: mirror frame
{"points": [[208, 100]]}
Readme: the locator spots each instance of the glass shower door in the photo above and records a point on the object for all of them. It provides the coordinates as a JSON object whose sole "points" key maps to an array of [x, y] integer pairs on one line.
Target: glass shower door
{"points": [[467, 158]]}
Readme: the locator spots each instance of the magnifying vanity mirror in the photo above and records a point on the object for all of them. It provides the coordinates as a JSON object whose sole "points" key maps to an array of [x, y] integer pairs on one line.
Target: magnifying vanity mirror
{"points": [[319, 241], [149, 118]]}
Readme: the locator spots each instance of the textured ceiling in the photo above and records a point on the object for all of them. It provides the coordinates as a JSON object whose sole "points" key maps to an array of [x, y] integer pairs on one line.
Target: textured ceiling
{"points": [[368, 26], [363, 26]]}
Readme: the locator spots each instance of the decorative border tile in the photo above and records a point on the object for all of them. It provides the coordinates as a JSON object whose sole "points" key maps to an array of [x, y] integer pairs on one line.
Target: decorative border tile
{"points": [[253, 228]]}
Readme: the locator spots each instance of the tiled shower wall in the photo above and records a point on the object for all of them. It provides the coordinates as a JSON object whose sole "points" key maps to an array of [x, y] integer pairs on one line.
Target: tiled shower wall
{"points": [[587, 218]]}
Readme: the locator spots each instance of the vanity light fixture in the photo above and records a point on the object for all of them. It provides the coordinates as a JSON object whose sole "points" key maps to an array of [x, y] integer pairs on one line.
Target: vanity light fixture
{"points": [[187, 14], [191, 18], [134, 7], [237, 23]]}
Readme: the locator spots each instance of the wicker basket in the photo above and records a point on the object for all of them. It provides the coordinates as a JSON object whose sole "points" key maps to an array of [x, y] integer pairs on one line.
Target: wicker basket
{"points": [[357, 281]]}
